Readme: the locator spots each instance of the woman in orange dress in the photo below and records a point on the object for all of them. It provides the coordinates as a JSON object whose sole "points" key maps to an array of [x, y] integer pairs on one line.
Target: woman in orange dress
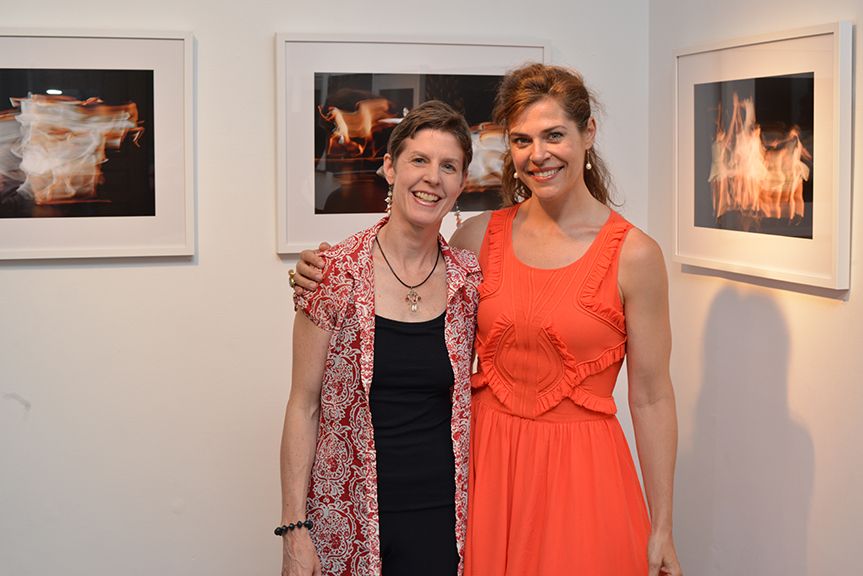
{"points": [[569, 288]]}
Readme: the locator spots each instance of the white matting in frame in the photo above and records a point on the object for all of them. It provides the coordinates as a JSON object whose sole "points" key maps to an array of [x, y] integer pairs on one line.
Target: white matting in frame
{"points": [[166, 226], [800, 233], [299, 58]]}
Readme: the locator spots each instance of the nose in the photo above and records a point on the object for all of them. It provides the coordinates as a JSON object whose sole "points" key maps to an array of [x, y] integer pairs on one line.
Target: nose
{"points": [[538, 152], [432, 174]]}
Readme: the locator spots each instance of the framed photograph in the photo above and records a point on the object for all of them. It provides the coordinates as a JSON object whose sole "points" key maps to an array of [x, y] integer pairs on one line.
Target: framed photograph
{"points": [[763, 183], [338, 99], [96, 154]]}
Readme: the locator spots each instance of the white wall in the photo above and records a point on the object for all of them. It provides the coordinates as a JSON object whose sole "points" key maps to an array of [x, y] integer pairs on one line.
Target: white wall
{"points": [[767, 379], [141, 401]]}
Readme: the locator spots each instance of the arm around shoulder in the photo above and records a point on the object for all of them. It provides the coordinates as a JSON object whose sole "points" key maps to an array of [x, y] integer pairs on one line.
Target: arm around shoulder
{"points": [[310, 270]]}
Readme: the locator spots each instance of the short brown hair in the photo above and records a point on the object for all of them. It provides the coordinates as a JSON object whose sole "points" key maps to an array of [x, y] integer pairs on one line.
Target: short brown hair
{"points": [[432, 115], [524, 86]]}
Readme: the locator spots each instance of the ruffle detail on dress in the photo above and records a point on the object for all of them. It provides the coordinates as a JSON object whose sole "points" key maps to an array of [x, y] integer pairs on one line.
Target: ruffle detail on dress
{"points": [[568, 386], [485, 355], [575, 374], [608, 253], [494, 234]]}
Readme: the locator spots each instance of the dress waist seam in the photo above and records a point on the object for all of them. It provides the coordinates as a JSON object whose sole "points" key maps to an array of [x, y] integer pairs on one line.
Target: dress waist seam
{"points": [[565, 412]]}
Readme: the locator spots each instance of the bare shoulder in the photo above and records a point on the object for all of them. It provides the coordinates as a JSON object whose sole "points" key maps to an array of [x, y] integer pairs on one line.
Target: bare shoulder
{"points": [[471, 233], [641, 263], [639, 249]]}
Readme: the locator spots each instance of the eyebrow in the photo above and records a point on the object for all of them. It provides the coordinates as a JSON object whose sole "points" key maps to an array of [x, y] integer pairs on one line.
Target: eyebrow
{"points": [[558, 128], [423, 155]]}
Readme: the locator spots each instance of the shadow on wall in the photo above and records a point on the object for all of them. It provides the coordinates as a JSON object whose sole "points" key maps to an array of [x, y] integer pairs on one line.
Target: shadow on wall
{"points": [[744, 490]]}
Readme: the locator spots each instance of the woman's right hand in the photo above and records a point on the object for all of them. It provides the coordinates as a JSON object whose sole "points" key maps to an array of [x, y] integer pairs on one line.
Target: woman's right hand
{"points": [[299, 557], [310, 270]]}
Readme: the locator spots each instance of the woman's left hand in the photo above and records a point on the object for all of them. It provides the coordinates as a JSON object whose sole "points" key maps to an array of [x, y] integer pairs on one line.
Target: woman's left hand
{"points": [[661, 557]]}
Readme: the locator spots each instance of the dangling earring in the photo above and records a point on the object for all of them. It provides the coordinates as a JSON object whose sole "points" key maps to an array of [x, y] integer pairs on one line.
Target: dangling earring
{"points": [[515, 174], [457, 215], [389, 199], [588, 165]]}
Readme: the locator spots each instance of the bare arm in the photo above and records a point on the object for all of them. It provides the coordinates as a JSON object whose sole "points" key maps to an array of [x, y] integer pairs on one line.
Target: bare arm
{"points": [[310, 346], [644, 286]]}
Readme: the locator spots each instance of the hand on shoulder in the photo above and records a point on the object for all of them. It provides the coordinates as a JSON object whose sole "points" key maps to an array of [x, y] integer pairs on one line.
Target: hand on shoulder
{"points": [[310, 270]]}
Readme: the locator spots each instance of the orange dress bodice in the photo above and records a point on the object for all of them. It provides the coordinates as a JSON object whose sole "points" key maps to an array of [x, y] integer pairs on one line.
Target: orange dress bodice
{"points": [[552, 488]]}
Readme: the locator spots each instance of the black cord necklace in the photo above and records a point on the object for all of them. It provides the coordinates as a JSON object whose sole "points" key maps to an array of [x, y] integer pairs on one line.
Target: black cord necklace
{"points": [[412, 298]]}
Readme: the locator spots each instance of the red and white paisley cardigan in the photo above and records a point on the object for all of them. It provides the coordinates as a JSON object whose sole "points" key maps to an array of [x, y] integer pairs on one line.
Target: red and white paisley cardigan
{"points": [[343, 499]]}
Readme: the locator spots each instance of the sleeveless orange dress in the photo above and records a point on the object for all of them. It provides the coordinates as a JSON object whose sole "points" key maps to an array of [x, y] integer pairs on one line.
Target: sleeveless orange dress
{"points": [[552, 488]]}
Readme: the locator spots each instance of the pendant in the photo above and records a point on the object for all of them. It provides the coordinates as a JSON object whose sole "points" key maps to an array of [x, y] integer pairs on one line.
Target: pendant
{"points": [[414, 299]]}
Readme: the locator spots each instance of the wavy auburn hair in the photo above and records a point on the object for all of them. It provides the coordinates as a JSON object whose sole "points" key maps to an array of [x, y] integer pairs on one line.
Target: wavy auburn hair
{"points": [[524, 86]]}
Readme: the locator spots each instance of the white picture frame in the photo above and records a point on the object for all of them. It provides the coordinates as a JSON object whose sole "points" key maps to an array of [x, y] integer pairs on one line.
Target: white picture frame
{"points": [[169, 229], [819, 57], [300, 57]]}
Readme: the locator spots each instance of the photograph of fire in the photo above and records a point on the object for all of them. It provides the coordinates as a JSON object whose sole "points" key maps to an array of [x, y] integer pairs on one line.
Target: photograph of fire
{"points": [[76, 143], [354, 116], [754, 155]]}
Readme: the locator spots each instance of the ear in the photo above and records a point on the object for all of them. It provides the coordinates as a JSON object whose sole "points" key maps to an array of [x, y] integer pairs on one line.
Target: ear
{"points": [[389, 169], [589, 133], [463, 183]]}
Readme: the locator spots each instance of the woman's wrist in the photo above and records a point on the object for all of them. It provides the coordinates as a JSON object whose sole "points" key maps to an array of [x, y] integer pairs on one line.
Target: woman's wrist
{"points": [[290, 527], [664, 532]]}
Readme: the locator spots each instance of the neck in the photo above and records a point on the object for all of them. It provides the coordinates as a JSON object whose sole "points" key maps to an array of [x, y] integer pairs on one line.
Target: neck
{"points": [[576, 206], [407, 244]]}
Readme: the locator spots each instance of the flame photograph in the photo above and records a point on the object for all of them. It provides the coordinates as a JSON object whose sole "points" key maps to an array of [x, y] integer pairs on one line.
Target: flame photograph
{"points": [[754, 155], [355, 114], [339, 98], [96, 144], [76, 143], [763, 157]]}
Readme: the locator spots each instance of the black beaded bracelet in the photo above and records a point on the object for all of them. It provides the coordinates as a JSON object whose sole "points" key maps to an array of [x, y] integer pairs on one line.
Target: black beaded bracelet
{"points": [[300, 524]]}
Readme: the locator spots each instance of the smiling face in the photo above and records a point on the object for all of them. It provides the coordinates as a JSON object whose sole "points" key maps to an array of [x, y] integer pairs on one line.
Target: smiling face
{"points": [[548, 149], [427, 177]]}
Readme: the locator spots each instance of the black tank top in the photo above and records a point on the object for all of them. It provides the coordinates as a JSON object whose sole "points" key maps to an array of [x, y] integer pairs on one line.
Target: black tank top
{"points": [[411, 408]]}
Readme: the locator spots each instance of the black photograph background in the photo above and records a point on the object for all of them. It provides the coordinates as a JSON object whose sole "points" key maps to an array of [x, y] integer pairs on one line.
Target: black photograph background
{"points": [[781, 104], [127, 186], [346, 181]]}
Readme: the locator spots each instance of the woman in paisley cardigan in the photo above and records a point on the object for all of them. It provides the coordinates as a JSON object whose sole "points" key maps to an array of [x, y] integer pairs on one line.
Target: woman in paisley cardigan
{"points": [[374, 450]]}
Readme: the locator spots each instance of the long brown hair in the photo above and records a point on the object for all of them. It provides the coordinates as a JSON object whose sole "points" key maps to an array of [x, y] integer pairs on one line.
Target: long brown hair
{"points": [[534, 82]]}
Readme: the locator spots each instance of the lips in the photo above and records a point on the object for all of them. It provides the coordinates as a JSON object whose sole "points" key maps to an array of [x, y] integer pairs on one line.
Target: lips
{"points": [[426, 197], [548, 173]]}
